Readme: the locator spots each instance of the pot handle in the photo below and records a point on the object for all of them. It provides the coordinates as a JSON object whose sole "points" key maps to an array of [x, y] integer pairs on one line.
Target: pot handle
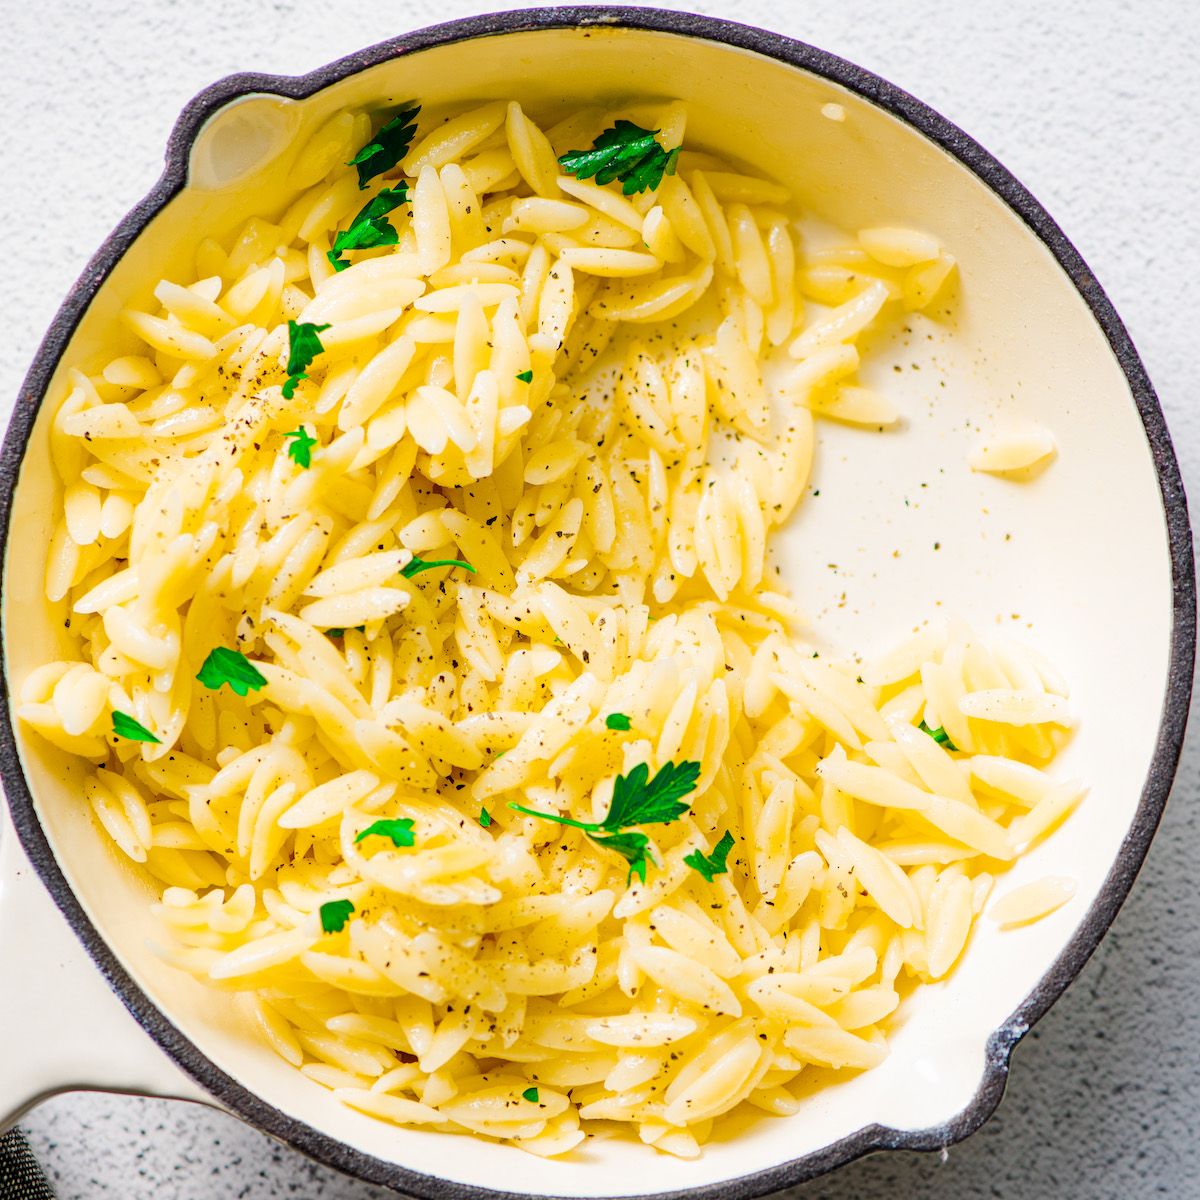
{"points": [[61, 1027]]}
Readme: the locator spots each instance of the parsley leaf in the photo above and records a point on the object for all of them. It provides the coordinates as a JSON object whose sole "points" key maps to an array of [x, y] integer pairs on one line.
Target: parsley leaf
{"points": [[617, 721], [712, 864], [417, 564], [530, 1094], [631, 846], [639, 801], [939, 735], [231, 667], [335, 914], [485, 817], [339, 632], [303, 346], [401, 831], [525, 376], [300, 451], [387, 147], [124, 726], [370, 227], [626, 152]]}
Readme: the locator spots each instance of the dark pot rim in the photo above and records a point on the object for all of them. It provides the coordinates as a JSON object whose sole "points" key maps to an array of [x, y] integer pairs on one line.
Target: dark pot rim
{"points": [[935, 128]]}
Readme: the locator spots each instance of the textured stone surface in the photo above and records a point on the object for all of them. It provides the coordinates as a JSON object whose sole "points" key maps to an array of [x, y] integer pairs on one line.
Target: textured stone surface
{"points": [[1093, 106]]}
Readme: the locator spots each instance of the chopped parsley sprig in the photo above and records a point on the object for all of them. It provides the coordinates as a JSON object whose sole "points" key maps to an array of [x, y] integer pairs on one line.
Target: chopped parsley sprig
{"points": [[939, 735], [370, 227], [124, 726], [640, 800], [303, 346], [715, 863], [387, 147], [401, 831], [300, 448], [335, 914], [232, 667], [637, 799], [417, 564], [617, 721], [626, 152]]}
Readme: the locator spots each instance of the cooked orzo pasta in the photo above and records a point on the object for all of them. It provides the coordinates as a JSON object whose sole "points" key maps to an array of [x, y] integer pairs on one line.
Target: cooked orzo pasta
{"points": [[427, 656]]}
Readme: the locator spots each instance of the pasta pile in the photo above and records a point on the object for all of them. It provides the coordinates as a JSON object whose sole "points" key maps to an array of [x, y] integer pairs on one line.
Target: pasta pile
{"points": [[498, 537]]}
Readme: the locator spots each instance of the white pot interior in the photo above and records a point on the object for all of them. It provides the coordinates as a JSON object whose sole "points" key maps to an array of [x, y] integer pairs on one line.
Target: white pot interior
{"points": [[1076, 561]]}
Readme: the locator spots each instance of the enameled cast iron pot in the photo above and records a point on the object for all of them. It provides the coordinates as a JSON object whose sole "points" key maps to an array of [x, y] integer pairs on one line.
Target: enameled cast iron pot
{"points": [[1091, 561]]}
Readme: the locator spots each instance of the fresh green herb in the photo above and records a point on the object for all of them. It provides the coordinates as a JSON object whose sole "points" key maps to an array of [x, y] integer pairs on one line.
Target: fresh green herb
{"points": [[417, 564], [340, 633], [401, 832], [626, 152], [712, 864], [939, 735], [485, 817], [231, 667], [525, 376], [335, 914], [303, 346], [300, 450], [617, 721], [632, 846], [530, 1094], [370, 227], [637, 800], [124, 726], [387, 147]]}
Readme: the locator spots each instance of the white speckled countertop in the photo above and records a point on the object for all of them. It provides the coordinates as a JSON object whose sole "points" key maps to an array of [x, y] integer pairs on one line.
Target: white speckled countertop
{"points": [[1094, 106]]}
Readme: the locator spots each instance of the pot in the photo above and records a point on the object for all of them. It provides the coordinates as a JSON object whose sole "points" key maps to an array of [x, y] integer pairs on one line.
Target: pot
{"points": [[1094, 555]]}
